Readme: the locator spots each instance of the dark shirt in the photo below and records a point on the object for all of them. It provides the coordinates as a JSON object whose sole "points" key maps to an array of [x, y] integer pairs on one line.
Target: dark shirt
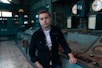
{"points": [[44, 55]]}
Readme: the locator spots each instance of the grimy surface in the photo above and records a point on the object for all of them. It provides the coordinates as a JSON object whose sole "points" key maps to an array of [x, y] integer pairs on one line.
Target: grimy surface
{"points": [[11, 56]]}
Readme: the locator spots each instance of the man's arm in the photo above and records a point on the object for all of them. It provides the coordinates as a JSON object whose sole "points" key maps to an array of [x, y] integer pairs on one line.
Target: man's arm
{"points": [[63, 43], [66, 48], [32, 49], [72, 59]]}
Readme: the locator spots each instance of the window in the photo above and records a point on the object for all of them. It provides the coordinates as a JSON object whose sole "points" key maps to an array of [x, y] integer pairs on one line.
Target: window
{"points": [[0, 18], [6, 1], [69, 23], [6, 14], [92, 22], [0, 13]]}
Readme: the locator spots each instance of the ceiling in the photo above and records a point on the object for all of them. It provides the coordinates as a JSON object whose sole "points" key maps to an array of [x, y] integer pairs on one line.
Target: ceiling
{"points": [[28, 2], [23, 2]]}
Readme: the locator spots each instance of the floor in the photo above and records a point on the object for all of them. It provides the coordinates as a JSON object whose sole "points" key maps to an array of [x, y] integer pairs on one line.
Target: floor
{"points": [[11, 56]]}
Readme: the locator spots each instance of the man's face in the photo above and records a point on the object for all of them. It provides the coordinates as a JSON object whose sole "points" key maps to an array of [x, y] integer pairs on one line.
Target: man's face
{"points": [[45, 20]]}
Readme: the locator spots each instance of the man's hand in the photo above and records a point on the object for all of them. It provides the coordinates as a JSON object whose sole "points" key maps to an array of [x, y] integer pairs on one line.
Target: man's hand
{"points": [[38, 64], [72, 59]]}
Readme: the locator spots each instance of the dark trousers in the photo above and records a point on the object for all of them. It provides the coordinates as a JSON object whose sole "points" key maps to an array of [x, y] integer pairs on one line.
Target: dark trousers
{"points": [[57, 66]]}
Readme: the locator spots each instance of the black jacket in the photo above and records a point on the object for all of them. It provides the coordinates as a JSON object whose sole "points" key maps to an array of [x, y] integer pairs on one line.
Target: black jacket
{"points": [[38, 42]]}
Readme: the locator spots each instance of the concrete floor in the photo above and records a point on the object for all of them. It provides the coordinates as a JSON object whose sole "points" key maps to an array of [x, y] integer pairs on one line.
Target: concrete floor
{"points": [[11, 56]]}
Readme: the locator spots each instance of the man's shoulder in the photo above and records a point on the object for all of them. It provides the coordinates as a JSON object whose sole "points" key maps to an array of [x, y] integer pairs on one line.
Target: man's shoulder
{"points": [[36, 32], [56, 28]]}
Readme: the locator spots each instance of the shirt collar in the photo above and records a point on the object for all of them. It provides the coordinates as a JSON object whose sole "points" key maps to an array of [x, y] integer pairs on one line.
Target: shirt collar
{"points": [[50, 30]]}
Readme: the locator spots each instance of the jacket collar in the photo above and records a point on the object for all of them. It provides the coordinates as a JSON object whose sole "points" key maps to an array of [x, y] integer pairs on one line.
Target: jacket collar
{"points": [[51, 28]]}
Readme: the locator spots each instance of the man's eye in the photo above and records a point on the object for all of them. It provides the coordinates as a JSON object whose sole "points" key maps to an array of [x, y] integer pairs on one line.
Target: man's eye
{"points": [[41, 18], [46, 17]]}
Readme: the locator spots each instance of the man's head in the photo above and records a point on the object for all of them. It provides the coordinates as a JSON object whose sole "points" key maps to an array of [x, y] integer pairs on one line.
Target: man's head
{"points": [[44, 18]]}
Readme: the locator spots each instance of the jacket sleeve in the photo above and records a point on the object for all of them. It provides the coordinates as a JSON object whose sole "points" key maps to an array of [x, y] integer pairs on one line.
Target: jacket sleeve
{"points": [[32, 49], [63, 43]]}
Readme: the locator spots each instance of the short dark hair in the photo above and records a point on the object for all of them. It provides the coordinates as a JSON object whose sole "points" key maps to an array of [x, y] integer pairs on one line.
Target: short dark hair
{"points": [[43, 11]]}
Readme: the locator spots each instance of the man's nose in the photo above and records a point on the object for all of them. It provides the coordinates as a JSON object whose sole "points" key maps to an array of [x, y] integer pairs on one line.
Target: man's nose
{"points": [[44, 20]]}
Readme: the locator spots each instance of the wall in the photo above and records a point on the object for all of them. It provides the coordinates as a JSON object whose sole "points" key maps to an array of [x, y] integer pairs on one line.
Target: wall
{"points": [[36, 6], [61, 11]]}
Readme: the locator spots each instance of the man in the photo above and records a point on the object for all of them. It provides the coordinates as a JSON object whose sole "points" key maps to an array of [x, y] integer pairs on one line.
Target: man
{"points": [[46, 40]]}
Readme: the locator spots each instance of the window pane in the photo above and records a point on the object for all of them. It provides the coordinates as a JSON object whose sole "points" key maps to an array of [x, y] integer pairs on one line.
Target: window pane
{"points": [[6, 1], [0, 13], [92, 22], [0, 18], [6, 14], [69, 23]]}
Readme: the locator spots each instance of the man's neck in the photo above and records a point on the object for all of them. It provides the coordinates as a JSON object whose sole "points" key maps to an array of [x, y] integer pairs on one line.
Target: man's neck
{"points": [[47, 28]]}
